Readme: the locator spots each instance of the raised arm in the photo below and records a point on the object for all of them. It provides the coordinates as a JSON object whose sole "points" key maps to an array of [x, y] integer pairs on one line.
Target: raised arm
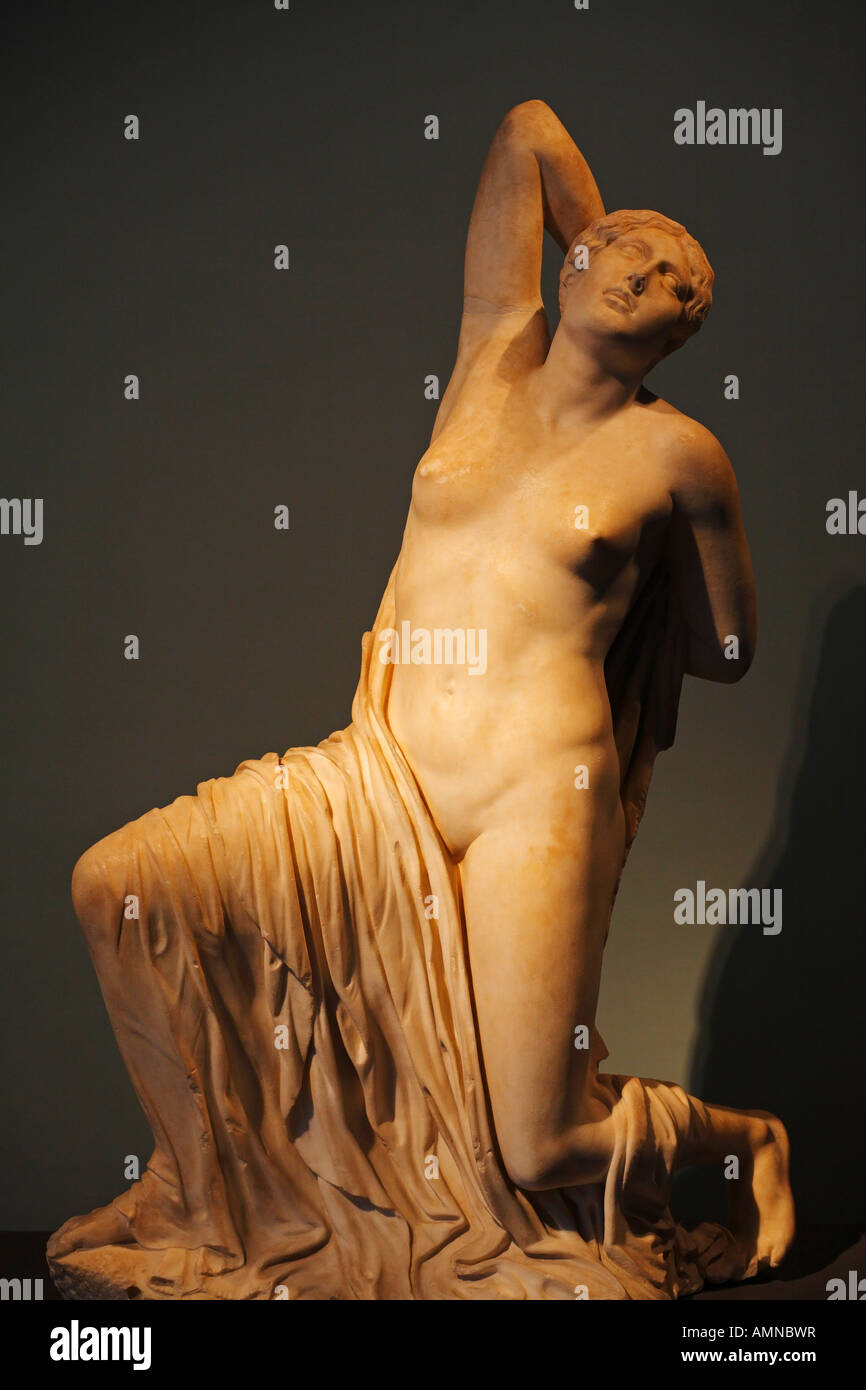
{"points": [[710, 564], [534, 178]]}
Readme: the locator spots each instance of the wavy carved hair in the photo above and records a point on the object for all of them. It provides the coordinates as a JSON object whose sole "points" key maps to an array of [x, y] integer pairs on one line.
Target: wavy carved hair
{"points": [[605, 230]]}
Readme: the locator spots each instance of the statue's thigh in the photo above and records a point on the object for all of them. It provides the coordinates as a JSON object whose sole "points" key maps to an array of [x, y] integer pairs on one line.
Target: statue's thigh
{"points": [[537, 893]]}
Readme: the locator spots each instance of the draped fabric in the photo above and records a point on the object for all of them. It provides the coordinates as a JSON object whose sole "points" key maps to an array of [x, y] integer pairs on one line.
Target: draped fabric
{"points": [[294, 1004]]}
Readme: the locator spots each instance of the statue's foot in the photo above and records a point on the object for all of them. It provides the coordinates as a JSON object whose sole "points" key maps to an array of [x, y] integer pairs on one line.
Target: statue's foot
{"points": [[105, 1226], [147, 1215], [118, 1272], [124, 1251], [762, 1205], [114, 1224]]}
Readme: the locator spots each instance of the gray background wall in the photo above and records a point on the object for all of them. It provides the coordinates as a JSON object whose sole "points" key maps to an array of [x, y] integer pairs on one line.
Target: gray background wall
{"points": [[306, 388]]}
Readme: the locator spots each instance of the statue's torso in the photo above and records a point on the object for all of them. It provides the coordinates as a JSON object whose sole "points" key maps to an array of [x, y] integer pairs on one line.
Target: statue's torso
{"points": [[540, 542]]}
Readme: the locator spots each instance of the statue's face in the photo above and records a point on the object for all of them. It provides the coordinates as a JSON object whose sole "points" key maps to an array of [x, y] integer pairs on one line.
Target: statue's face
{"points": [[632, 289]]}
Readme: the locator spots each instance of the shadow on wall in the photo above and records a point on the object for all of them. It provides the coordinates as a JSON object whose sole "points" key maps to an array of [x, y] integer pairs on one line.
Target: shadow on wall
{"points": [[782, 1018]]}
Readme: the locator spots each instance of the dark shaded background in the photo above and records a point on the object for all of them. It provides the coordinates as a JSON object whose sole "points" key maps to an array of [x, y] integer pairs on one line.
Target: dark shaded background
{"points": [[306, 388]]}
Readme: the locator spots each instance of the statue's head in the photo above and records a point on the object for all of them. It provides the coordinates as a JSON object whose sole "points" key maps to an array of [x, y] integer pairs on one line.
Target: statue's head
{"points": [[647, 286]]}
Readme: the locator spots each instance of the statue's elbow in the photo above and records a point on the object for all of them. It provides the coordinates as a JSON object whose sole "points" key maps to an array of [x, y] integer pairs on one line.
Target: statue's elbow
{"points": [[736, 658], [724, 662]]}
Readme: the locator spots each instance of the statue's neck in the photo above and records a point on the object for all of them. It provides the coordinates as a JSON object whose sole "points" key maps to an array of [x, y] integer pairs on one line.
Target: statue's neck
{"points": [[575, 387]]}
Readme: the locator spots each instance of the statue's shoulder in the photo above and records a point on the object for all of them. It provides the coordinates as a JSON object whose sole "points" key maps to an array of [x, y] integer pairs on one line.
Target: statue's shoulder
{"points": [[692, 452]]}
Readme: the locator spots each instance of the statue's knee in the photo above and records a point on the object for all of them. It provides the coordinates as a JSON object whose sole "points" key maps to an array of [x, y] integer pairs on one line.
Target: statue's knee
{"points": [[538, 1160], [97, 893], [528, 1162]]}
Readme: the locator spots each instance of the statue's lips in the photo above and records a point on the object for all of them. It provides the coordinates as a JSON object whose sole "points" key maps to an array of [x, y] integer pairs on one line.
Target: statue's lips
{"points": [[620, 297]]}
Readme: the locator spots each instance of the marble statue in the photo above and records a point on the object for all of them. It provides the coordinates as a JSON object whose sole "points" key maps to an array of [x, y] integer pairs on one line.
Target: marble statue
{"points": [[358, 999]]}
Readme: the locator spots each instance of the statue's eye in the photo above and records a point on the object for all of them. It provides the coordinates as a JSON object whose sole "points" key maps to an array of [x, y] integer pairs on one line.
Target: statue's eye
{"points": [[630, 249]]}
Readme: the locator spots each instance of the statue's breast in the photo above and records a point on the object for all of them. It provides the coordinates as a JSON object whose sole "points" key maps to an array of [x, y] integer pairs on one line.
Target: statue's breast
{"points": [[593, 519], [455, 479], [601, 534]]}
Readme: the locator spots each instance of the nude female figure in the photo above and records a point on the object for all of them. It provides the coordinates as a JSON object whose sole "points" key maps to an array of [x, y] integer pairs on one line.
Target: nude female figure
{"points": [[244, 1181], [527, 431]]}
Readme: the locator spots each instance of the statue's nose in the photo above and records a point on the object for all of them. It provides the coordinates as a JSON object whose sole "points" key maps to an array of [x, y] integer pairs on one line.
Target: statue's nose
{"points": [[637, 282]]}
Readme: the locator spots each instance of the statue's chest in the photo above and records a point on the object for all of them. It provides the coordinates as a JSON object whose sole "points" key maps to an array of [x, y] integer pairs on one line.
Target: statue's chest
{"points": [[584, 509]]}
